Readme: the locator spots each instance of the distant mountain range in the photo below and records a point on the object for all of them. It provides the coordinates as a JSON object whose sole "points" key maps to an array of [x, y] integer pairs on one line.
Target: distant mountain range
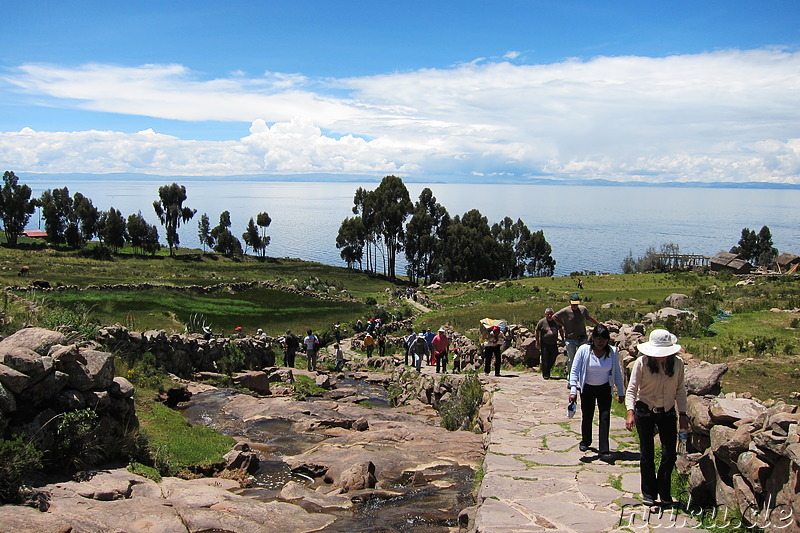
{"points": [[338, 178]]}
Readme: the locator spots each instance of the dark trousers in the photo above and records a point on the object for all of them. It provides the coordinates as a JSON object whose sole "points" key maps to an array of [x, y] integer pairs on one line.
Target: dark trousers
{"points": [[288, 358], [488, 351], [441, 359], [549, 353], [600, 394], [655, 485]]}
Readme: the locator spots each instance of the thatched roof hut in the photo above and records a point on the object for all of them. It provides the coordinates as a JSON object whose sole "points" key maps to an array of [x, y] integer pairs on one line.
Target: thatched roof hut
{"points": [[730, 261], [787, 262]]}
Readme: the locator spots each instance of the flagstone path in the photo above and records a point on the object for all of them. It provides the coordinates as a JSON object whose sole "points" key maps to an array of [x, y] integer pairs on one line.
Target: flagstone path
{"points": [[536, 479]]}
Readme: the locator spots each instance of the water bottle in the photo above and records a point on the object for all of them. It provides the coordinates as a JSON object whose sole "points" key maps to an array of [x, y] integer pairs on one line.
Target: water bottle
{"points": [[683, 437]]}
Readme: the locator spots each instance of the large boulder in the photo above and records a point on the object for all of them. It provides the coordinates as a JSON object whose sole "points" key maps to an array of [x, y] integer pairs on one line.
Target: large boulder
{"points": [[677, 300], [357, 477], [730, 410], [704, 378], [27, 361], [255, 381], [13, 379], [38, 340], [97, 373]]}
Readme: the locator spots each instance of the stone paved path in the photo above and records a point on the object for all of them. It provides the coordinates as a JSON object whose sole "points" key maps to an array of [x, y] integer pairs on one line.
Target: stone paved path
{"points": [[536, 479]]}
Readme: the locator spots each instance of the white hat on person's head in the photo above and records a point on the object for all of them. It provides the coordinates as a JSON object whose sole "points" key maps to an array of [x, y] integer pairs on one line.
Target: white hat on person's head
{"points": [[441, 330], [662, 343]]}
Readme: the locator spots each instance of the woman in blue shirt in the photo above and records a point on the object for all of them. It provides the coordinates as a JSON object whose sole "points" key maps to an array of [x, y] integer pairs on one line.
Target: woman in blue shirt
{"points": [[595, 367]]}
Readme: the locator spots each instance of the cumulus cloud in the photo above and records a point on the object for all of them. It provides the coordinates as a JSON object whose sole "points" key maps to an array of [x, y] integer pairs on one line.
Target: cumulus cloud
{"points": [[722, 116]]}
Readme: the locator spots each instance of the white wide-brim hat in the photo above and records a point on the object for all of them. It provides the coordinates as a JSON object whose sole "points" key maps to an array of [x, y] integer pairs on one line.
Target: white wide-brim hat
{"points": [[662, 343]]}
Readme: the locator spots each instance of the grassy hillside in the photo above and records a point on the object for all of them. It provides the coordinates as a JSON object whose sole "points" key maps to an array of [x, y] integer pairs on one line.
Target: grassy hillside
{"points": [[739, 325]]}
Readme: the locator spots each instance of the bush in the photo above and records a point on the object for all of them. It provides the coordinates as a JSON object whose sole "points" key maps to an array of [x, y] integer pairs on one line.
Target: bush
{"points": [[17, 459], [77, 443], [233, 361], [460, 412]]}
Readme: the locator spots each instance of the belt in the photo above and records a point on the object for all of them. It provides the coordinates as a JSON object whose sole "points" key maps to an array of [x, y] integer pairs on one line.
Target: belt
{"points": [[657, 410]]}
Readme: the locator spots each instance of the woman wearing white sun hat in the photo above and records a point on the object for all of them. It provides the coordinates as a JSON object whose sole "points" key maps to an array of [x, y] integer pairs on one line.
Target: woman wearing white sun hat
{"points": [[656, 387]]}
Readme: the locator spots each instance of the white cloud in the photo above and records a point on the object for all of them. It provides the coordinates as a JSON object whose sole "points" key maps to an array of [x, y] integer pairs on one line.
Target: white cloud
{"points": [[722, 116]]}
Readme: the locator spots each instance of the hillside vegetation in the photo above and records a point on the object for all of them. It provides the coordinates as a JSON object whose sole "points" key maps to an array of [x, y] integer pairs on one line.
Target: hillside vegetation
{"points": [[738, 325]]}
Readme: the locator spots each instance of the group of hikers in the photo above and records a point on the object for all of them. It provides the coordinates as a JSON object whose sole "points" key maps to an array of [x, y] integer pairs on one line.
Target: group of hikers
{"points": [[655, 397], [431, 348]]}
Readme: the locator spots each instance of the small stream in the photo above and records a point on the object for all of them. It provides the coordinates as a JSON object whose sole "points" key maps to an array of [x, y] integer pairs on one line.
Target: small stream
{"points": [[432, 507]]}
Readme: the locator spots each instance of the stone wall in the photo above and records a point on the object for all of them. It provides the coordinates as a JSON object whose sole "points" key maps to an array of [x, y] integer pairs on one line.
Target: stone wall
{"points": [[747, 457], [184, 354], [41, 377]]}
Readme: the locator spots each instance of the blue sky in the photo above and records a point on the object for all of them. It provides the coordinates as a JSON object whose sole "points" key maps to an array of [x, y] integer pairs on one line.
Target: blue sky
{"points": [[628, 91]]}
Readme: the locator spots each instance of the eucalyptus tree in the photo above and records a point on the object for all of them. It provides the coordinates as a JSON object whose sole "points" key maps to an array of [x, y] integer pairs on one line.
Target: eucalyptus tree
{"points": [[535, 253], [364, 207], [263, 221], [111, 229], [56, 207], [470, 250], [351, 239], [756, 247], [171, 212], [424, 235], [224, 241], [81, 221], [16, 207], [204, 232], [392, 206], [142, 236]]}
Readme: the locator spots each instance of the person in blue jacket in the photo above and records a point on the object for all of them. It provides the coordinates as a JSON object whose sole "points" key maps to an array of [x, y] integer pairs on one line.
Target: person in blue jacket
{"points": [[595, 369]]}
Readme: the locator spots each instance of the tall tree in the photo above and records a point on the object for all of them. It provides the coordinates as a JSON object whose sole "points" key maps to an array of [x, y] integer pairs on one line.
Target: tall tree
{"points": [[171, 212], [142, 236], [470, 251], [424, 234], [81, 221], [747, 248], [204, 232], [351, 238], [224, 241], [766, 253], [535, 253], [111, 229], [251, 237], [56, 208], [16, 207], [756, 247], [392, 205], [263, 221]]}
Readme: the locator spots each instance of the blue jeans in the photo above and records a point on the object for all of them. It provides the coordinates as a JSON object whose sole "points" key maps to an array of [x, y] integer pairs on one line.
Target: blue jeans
{"points": [[572, 346]]}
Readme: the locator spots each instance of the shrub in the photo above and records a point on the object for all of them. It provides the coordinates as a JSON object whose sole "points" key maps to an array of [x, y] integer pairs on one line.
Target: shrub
{"points": [[17, 459], [369, 300], [77, 443], [461, 410], [233, 361]]}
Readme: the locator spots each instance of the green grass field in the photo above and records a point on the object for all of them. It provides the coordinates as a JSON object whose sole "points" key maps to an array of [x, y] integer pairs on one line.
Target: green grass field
{"points": [[761, 346]]}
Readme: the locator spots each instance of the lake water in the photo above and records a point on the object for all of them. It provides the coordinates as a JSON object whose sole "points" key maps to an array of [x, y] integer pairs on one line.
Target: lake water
{"points": [[588, 227]]}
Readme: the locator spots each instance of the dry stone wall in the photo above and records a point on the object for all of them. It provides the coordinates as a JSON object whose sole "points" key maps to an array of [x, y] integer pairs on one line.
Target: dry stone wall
{"points": [[42, 376], [185, 354]]}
